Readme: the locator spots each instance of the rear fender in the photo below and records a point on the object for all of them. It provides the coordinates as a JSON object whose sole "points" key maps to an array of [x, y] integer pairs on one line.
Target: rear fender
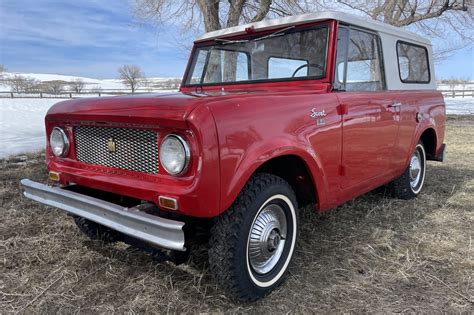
{"points": [[421, 128]]}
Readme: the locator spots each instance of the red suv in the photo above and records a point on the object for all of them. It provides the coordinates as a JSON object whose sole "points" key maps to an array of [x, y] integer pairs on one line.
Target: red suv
{"points": [[271, 116]]}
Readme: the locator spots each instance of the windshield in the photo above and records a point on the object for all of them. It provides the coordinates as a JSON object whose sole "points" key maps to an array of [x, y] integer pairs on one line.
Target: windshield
{"points": [[280, 56]]}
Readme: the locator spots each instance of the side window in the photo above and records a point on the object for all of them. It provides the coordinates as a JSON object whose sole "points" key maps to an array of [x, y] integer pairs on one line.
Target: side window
{"points": [[413, 63], [358, 62], [286, 68]]}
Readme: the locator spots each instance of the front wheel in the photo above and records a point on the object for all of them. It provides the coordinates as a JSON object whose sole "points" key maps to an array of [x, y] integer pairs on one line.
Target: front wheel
{"points": [[253, 242], [410, 183], [96, 231]]}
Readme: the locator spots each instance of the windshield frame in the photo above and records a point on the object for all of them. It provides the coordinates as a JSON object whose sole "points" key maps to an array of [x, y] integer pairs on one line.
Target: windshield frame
{"points": [[255, 36]]}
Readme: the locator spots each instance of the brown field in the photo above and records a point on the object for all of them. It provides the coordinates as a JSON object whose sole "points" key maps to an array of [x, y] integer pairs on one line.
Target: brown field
{"points": [[372, 254]]}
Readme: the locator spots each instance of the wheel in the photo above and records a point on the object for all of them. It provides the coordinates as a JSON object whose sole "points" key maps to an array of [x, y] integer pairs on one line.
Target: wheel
{"points": [[252, 243], [96, 231], [410, 183]]}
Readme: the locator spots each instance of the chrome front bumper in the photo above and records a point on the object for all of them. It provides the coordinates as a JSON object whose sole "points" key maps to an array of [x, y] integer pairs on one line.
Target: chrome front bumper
{"points": [[130, 221]]}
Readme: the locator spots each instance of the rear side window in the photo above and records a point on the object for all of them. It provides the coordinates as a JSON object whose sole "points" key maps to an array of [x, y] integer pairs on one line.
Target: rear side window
{"points": [[413, 63]]}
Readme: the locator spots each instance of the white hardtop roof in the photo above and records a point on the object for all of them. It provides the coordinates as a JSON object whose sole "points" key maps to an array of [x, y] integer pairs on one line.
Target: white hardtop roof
{"points": [[318, 16]]}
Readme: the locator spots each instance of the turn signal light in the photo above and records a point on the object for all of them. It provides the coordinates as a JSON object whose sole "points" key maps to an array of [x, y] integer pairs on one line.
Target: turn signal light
{"points": [[168, 203], [54, 176]]}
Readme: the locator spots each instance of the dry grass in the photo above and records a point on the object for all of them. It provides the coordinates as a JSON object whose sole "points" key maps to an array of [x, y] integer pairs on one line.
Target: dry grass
{"points": [[372, 254]]}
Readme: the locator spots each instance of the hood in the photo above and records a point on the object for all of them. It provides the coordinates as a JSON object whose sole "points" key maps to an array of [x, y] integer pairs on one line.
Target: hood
{"points": [[153, 109], [149, 109]]}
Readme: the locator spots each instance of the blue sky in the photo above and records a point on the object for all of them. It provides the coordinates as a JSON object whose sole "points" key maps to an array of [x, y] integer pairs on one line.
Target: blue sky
{"points": [[92, 38]]}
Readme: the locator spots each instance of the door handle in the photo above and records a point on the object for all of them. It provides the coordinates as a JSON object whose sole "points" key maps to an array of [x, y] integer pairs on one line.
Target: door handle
{"points": [[395, 105]]}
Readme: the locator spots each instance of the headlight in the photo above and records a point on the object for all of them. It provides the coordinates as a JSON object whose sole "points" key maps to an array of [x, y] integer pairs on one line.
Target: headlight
{"points": [[59, 142], [174, 154]]}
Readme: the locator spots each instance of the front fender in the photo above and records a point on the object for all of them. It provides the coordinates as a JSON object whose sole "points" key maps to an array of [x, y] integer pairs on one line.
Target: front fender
{"points": [[258, 153]]}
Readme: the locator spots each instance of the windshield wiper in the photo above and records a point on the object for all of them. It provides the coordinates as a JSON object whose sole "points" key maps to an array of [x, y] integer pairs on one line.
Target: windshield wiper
{"points": [[277, 33], [274, 34], [226, 41]]}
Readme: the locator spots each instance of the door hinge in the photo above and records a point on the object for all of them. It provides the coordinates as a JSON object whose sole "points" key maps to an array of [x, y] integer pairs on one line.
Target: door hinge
{"points": [[342, 109], [342, 170]]}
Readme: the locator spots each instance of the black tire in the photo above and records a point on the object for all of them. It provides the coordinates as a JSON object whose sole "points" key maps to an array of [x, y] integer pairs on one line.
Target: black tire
{"points": [[96, 231], [402, 187], [230, 242]]}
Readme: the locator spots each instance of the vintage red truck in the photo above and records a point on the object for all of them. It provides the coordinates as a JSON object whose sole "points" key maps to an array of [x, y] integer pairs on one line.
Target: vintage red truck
{"points": [[270, 116]]}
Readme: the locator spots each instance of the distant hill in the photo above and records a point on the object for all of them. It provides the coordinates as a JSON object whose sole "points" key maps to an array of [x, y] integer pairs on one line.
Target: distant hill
{"points": [[90, 83]]}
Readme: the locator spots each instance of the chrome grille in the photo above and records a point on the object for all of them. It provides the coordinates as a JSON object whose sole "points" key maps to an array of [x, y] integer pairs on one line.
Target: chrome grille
{"points": [[135, 149]]}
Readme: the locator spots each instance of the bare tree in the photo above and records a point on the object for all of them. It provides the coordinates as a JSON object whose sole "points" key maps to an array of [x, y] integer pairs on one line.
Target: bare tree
{"points": [[131, 76], [452, 83], [215, 14], [172, 83], [77, 85], [55, 86], [464, 81], [17, 83], [449, 20], [96, 89], [2, 70], [20, 84]]}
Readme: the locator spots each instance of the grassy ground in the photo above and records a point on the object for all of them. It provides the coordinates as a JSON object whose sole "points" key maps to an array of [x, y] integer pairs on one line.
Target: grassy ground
{"points": [[372, 254]]}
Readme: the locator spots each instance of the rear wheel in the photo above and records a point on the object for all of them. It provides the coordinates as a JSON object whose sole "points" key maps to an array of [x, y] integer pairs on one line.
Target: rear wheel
{"points": [[411, 182], [253, 242], [96, 231]]}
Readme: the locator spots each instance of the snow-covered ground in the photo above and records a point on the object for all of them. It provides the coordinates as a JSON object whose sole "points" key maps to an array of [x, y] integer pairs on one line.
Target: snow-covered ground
{"points": [[22, 122], [459, 106], [22, 125]]}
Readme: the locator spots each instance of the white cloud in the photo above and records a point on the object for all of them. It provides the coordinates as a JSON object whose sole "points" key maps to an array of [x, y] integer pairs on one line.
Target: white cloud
{"points": [[91, 34]]}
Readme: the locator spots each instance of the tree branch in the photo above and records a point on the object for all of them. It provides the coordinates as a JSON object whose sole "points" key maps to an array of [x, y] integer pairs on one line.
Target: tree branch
{"points": [[355, 7], [447, 6], [263, 11]]}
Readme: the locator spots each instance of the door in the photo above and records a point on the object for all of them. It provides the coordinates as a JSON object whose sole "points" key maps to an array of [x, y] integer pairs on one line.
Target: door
{"points": [[370, 116]]}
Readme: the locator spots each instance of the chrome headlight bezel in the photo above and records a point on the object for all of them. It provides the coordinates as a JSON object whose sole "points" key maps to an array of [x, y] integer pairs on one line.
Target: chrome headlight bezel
{"points": [[185, 150], [64, 142]]}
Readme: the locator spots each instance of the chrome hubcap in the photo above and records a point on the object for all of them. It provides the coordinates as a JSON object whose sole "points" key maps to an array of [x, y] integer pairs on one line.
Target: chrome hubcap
{"points": [[267, 238], [415, 169]]}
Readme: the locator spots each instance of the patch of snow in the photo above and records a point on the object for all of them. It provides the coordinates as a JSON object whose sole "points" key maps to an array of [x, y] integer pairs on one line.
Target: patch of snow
{"points": [[459, 106], [22, 125]]}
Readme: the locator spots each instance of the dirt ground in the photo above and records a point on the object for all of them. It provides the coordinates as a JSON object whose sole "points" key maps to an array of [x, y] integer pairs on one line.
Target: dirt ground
{"points": [[373, 254]]}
